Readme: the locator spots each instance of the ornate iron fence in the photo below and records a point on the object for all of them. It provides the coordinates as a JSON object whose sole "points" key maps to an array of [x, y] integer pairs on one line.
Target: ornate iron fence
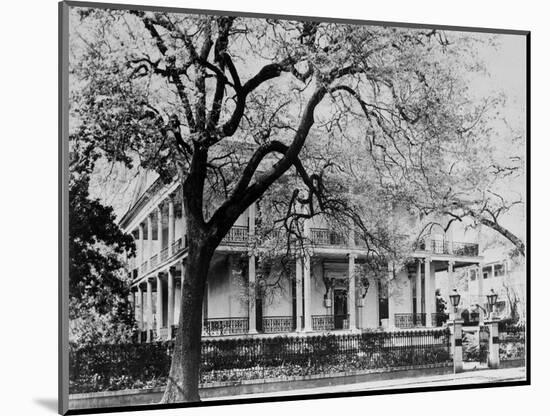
{"points": [[112, 367], [277, 324], [225, 326]]}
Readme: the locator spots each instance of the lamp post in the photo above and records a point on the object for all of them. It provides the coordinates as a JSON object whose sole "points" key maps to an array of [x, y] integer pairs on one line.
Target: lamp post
{"points": [[492, 300], [454, 297]]}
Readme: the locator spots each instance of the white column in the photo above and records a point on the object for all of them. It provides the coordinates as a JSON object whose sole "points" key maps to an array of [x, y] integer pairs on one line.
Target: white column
{"points": [[171, 294], [140, 311], [149, 237], [160, 316], [391, 300], [171, 225], [252, 220], [252, 294], [159, 228], [428, 292], [141, 244], [419, 286], [351, 292], [307, 292], [299, 294], [149, 309]]}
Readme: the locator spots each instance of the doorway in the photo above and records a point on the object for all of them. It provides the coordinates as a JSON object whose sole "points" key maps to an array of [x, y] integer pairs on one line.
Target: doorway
{"points": [[340, 308]]}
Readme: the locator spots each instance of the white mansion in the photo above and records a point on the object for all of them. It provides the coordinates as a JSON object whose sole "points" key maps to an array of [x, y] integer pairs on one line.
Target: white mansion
{"points": [[304, 304]]}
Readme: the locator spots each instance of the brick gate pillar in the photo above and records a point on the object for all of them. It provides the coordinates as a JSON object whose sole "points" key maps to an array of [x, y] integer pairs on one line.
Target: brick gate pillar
{"points": [[456, 345], [494, 357]]}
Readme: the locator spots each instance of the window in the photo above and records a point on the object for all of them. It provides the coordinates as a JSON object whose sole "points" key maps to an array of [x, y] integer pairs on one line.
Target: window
{"points": [[473, 274], [486, 272], [499, 269]]}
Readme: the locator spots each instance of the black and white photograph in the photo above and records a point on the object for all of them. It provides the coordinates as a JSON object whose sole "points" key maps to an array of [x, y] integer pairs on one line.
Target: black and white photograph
{"points": [[264, 207]]}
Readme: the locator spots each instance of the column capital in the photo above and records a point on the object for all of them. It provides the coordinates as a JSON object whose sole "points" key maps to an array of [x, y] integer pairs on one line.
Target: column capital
{"points": [[352, 256], [451, 263]]}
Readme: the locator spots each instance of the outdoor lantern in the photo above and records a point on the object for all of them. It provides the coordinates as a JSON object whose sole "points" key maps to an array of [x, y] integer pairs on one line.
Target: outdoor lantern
{"points": [[455, 299], [492, 300]]}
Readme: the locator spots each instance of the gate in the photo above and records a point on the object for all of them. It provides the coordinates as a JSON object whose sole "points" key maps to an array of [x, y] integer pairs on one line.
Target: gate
{"points": [[475, 347]]}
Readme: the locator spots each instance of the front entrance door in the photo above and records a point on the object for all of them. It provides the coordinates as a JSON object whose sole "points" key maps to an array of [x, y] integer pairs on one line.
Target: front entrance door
{"points": [[340, 308], [259, 314]]}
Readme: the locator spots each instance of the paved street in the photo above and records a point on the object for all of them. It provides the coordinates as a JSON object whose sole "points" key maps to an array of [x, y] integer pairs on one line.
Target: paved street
{"points": [[470, 377]]}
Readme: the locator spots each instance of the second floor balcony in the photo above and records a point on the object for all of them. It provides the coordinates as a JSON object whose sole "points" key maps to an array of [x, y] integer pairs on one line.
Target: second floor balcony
{"points": [[238, 236], [452, 248]]}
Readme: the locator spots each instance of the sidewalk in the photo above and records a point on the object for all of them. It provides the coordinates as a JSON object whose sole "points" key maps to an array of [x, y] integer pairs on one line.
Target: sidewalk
{"points": [[469, 377]]}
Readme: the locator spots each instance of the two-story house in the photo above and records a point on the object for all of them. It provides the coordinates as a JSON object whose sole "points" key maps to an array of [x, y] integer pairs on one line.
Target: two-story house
{"points": [[303, 302]]}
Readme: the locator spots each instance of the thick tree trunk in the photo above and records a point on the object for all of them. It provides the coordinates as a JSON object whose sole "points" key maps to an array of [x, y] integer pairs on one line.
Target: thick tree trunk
{"points": [[183, 380]]}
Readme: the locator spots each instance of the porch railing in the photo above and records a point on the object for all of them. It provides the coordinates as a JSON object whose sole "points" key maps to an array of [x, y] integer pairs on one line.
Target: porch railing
{"points": [[326, 237], [154, 260], [177, 246], [322, 322], [144, 267], [329, 322], [237, 235], [276, 324], [225, 326], [410, 320], [164, 254], [448, 247]]}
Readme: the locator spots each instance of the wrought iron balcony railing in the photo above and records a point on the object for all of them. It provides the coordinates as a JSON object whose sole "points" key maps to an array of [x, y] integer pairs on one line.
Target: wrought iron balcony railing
{"points": [[164, 254], [237, 235], [329, 322], [277, 324], [448, 247], [144, 267], [225, 326], [177, 246], [154, 260], [326, 237], [322, 322]]}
